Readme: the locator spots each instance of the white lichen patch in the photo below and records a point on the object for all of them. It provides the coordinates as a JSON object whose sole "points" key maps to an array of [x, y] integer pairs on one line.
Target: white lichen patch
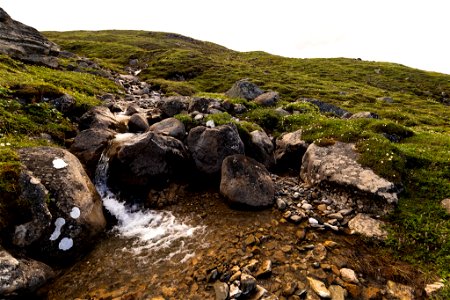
{"points": [[58, 163], [34, 180], [59, 223], [75, 213], [65, 244]]}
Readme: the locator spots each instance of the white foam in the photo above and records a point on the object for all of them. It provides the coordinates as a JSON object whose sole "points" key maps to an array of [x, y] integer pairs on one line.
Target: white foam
{"points": [[58, 163], [65, 244], [59, 223]]}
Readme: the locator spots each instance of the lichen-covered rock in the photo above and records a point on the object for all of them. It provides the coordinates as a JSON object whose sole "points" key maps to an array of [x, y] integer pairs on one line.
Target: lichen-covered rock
{"points": [[337, 166], [244, 181], [171, 127], [66, 210], [20, 276], [26, 43], [244, 89], [289, 151], [210, 146], [267, 99], [260, 147], [89, 145], [140, 160], [366, 226]]}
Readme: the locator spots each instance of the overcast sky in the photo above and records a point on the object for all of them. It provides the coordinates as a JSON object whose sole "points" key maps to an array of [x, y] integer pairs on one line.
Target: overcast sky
{"points": [[414, 33]]}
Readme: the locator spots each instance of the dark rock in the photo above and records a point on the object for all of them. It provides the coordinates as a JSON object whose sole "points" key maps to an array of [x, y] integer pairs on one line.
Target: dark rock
{"points": [[248, 284], [21, 276], [138, 123], [210, 146], [244, 89], [337, 166], [267, 99], [64, 104], [328, 108], [99, 117], [171, 127], [289, 151], [174, 105], [200, 104], [144, 159], [260, 147], [133, 109], [89, 144], [239, 108], [66, 209], [26, 43]]}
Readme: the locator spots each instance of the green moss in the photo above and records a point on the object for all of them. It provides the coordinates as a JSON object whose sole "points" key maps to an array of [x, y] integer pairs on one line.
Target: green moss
{"points": [[267, 118]]}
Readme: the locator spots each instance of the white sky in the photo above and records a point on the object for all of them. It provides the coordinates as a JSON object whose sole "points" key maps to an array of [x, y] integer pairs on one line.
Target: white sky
{"points": [[414, 33]]}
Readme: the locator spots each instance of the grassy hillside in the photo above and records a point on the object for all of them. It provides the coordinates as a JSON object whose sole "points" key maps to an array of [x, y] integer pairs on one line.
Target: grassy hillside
{"points": [[418, 113]]}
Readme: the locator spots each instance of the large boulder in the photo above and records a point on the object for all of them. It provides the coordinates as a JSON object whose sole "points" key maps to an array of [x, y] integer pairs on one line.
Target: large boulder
{"points": [[19, 277], [289, 150], [26, 43], [89, 145], [145, 159], [66, 210], [267, 99], [210, 146], [245, 181], [171, 106], [244, 89], [336, 166], [100, 117], [260, 148], [171, 127]]}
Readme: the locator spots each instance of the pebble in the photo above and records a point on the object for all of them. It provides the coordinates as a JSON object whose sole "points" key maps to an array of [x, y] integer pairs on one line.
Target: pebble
{"points": [[295, 218], [319, 287], [337, 216], [221, 289], [296, 195], [307, 206], [265, 269], [313, 221], [235, 291], [337, 292], [348, 275], [248, 284], [281, 204]]}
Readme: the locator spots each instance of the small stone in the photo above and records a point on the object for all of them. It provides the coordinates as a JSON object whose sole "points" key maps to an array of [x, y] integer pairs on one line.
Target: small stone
{"points": [[307, 206], [235, 276], [313, 221], [286, 248], [221, 289], [446, 205], [319, 287], [401, 291], [345, 212], [371, 293], [250, 240], [235, 292], [348, 275], [337, 216], [252, 265], [300, 234], [332, 227], [296, 195], [368, 227], [337, 292], [248, 284], [259, 293], [198, 117], [289, 288], [432, 288], [322, 207], [330, 244], [353, 290], [295, 218], [320, 252], [281, 204], [265, 270], [287, 214]]}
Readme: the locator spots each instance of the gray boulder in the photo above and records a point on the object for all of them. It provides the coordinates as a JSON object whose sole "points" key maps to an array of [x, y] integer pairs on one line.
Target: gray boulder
{"points": [[171, 127], [89, 145], [289, 150], [100, 117], [21, 276], [26, 43], [138, 123], [260, 148], [65, 104], [144, 159], [337, 166], [245, 181], [328, 108], [244, 89], [171, 106], [267, 99], [210, 146], [66, 210]]}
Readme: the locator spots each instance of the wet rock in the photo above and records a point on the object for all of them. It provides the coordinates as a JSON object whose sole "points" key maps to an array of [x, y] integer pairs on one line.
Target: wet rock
{"points": [[337, 165], [171, 106], [400, 291], [235, 291], [319, 287], [65, 104], [171, 127], [210, 146], [138, 123], [26, 43], [133, 109], [21, 276], [364, 115], [221, 289], [445, 204], [65, 205], [348, 275], [267, 99], [244, 89], [337, 292], [100, 117], [248, 284], [146, 159], [89, 145], [260, 147], [366, 226], [289, 151], [247, 182], [265, 269]]}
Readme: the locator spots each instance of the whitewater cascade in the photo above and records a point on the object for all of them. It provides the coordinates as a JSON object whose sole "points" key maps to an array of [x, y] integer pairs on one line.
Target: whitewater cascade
{"points": [[149, 230]]}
